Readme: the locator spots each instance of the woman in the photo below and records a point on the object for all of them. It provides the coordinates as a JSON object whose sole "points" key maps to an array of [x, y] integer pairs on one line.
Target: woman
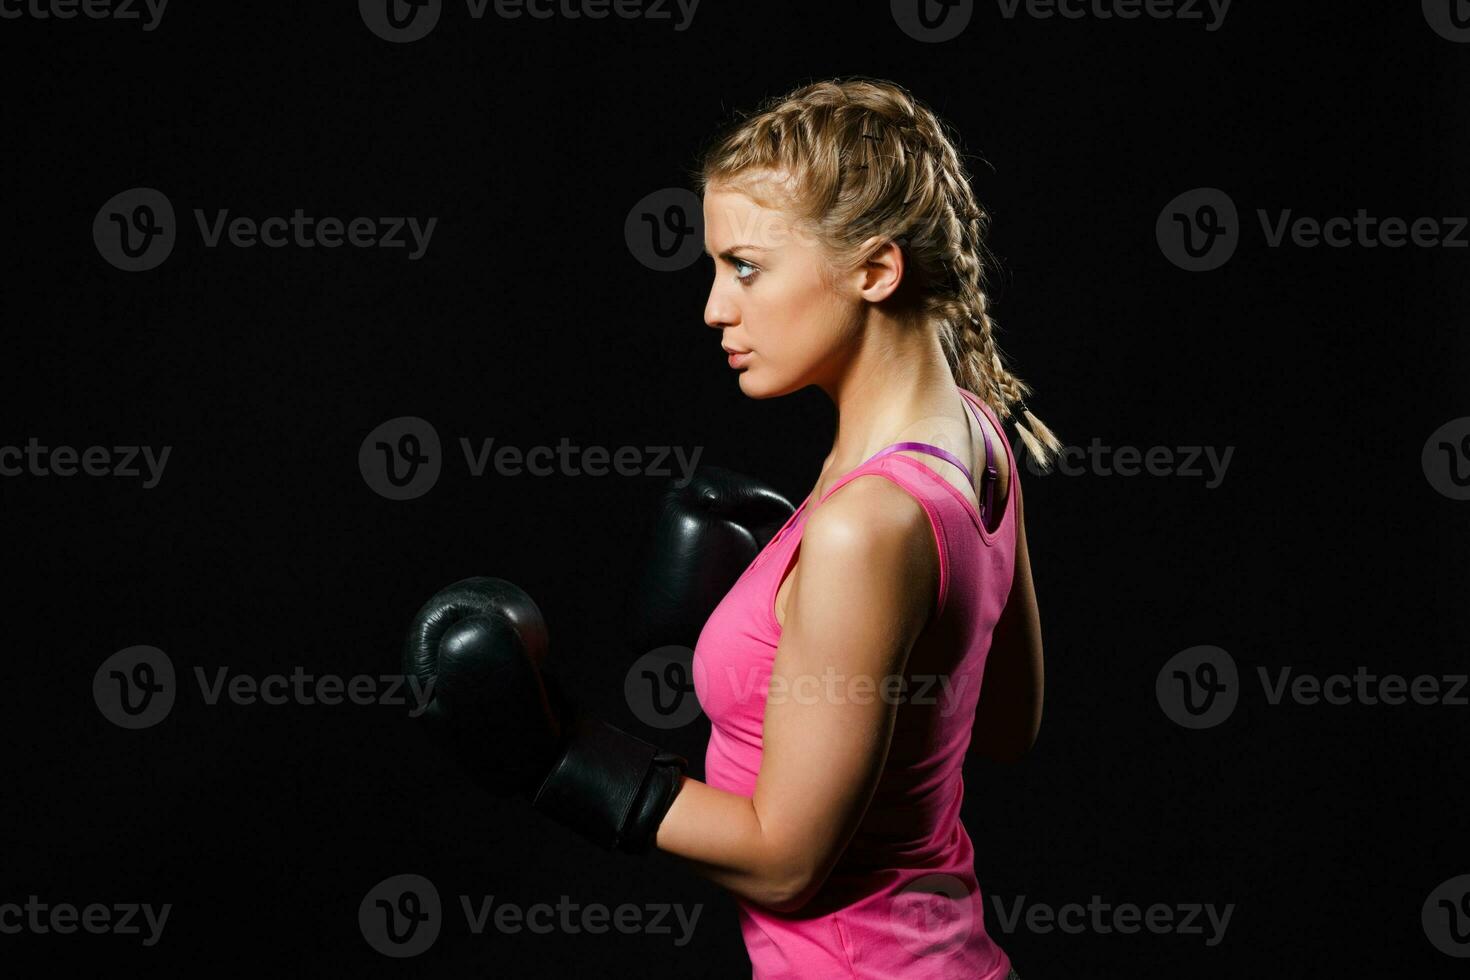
{"points": [[842, 672]]}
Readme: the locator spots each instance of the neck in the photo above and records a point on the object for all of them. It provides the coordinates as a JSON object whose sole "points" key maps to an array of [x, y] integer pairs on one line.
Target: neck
{"points": [[898, 377]]}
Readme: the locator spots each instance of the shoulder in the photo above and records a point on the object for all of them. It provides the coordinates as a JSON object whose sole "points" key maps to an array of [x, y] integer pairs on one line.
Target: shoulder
{"points": [[869, 510], [874, 529]]}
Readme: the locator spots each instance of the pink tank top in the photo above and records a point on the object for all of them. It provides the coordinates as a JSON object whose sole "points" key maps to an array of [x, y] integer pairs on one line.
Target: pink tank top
{"points": [[903, 900]]}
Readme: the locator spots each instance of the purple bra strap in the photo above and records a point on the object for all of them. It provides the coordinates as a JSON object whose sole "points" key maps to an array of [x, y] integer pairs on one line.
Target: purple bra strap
{"points": [[924, 447], [987, 493]]}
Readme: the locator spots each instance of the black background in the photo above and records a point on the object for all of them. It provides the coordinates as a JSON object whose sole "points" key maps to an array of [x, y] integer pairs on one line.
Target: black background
{"points": [[1324, 548]]}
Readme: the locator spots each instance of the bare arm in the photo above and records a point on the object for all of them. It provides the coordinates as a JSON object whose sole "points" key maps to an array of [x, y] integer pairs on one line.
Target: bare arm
{"points": [[1009, 715], [860, 595]]}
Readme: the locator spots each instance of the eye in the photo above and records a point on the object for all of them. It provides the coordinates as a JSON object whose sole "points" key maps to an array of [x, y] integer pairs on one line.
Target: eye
{"points": [[740, 270]]}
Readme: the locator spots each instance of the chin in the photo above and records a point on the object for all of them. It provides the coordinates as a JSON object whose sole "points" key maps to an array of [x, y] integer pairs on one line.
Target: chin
{"points": [[752, 385]]}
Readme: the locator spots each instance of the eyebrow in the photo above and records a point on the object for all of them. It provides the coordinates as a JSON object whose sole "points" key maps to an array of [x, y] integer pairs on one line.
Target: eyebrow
{"points": [[729, 253]]}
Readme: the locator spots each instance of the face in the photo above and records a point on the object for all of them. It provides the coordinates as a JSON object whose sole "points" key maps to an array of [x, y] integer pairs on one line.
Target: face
{"points": [[775, 297]]}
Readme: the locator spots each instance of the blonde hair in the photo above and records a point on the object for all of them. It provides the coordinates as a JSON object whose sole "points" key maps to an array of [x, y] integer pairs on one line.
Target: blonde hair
{"points": [[857, 158]]}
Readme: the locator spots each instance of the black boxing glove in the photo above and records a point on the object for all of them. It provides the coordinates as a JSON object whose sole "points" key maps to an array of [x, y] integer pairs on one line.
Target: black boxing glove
{"points": [[707, 533], [478, 647]]}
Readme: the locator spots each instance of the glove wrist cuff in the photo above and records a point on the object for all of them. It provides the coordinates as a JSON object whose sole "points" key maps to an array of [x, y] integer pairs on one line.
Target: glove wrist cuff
{"points": [[609, 786]]}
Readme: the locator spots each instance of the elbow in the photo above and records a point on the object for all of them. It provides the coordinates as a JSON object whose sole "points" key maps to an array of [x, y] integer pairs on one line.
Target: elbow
{"points": [[790, 885], [790, 894], [794, 869]]}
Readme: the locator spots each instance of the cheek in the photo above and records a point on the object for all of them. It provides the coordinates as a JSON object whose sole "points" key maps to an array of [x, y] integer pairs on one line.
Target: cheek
{"points": [[793, 317], [788, 313]]}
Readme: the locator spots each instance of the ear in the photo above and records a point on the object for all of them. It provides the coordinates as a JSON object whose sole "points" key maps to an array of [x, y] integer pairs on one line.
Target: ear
{"points": [[882, 271]]}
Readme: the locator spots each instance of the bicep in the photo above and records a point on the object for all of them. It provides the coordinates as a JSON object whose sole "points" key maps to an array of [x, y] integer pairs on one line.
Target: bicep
{"points": [[860, 595]]}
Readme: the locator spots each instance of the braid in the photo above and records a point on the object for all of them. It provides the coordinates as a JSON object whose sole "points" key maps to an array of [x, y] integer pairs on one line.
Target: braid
{"points": [[967, 331], [978, 363]]}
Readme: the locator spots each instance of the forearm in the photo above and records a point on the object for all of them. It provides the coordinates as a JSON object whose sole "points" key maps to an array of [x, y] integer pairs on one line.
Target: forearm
{"points": [[719, 835]]}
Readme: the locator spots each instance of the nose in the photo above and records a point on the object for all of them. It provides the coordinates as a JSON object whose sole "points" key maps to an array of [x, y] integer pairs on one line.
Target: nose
{"points": [[719, 310]]}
